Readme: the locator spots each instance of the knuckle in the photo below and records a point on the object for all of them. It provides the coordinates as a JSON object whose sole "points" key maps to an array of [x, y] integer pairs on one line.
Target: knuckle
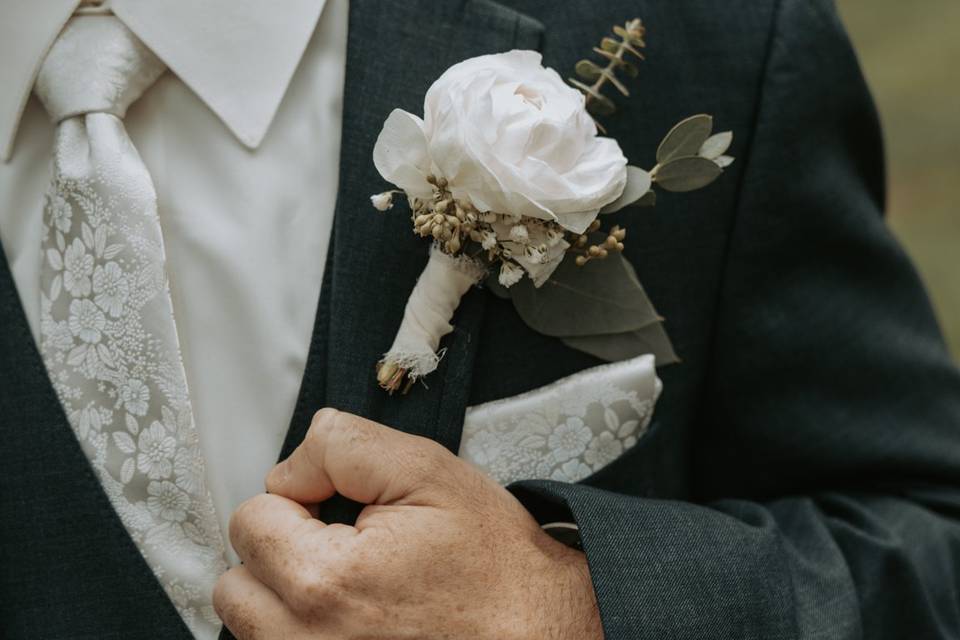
{"points": [[225, 604], [322, 420], [427, 460], [313, 592], [352, 430], [246, 517]]}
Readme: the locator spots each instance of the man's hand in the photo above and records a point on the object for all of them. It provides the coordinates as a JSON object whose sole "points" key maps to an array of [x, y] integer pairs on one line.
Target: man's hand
{"points": [[441, 551]]}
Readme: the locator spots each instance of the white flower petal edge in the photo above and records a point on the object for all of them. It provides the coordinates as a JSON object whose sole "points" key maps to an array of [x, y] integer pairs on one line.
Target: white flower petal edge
{"points": [[400, 153]]}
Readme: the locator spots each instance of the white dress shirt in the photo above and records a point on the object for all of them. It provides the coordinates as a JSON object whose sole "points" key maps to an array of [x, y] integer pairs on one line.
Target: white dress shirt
{"points": [[242, 139]]}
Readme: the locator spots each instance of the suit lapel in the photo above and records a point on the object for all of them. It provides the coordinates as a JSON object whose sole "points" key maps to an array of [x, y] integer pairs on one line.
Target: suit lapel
{"points": [[395, 51]]}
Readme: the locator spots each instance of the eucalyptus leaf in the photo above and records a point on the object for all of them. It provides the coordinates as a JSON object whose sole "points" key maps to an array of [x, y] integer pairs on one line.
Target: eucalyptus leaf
{"points": [[685, 139], [600, 297], [630, 69], [716, 145], [601, 105], [648, 200], [613, 347], [724, 161], [623, 33], [597, 103], [609, 44], [687, 174], [638, 185], [588, 70]]}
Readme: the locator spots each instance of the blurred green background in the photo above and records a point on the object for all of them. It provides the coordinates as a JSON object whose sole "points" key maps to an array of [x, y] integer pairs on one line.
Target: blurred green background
{"points": [[910, 53]]}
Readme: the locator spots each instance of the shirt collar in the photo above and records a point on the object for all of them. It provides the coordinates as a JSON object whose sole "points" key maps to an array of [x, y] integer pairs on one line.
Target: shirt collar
{"points": [[238, 56]]}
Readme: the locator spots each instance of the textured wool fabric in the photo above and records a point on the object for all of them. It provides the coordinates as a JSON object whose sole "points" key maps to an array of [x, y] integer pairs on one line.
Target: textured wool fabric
{"points": [[801, 477]]}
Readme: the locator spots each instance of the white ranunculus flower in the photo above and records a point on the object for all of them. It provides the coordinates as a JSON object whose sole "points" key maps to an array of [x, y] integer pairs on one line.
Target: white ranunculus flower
{"points": [[509, 136]]}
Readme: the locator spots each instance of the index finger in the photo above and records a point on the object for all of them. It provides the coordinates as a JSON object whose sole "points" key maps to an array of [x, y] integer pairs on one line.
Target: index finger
{"points": [[357, 458]]}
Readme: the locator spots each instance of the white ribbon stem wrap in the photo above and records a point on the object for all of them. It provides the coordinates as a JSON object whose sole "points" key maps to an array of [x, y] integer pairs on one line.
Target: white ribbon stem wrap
{"points": [[426, 318]]}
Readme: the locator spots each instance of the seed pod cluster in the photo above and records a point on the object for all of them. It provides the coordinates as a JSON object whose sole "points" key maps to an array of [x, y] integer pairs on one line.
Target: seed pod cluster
{"points": [[448, 221]]}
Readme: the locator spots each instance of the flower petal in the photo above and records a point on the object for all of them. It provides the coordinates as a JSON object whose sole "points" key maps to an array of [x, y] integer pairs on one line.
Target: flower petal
{"points": [[400, 153]]}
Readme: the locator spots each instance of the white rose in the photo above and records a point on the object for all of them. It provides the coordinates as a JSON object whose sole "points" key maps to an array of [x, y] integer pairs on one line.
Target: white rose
{"points": [[509, 136]]}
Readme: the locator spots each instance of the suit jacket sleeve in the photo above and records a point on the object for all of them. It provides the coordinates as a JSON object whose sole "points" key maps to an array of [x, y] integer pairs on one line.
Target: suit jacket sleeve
{"points": [[827, 456]]}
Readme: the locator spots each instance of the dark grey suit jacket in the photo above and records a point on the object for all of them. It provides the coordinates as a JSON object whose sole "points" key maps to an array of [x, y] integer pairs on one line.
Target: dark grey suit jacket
{"points": [[801, 478]]}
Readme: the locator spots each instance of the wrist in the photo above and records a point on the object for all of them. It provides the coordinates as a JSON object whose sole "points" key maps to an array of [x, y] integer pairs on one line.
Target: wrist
{"points": [[568, 609]]}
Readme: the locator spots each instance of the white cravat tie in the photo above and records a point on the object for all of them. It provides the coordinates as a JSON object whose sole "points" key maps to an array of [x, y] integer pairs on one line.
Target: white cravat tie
{"points": [[107, 333]]}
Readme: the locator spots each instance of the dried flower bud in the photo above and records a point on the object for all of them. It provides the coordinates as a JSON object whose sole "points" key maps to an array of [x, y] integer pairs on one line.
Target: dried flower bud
{"points": [[594, 250], [382, 201], [581, 260]]}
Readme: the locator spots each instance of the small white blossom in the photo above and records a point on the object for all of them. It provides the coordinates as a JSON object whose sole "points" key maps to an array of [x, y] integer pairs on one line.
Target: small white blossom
{"points": [[61, 213], [110, 288], [135, 396], [167, 501], [519, 233], [570, 439], [156, 451], [77, 269], [86, 320], [488, 240], [382, 201], [603, 450], [510, 274]]}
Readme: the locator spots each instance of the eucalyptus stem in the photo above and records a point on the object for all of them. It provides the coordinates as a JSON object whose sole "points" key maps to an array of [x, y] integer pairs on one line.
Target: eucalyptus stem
{"points": [[630, 41]]}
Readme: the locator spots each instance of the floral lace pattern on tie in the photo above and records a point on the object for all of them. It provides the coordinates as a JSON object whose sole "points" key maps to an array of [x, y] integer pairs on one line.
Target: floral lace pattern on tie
{"points": [[123, 389], [564, 433]]}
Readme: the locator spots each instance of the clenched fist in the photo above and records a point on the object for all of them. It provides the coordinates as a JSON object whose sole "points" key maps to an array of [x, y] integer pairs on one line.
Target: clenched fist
{"points": [[441, 551]]}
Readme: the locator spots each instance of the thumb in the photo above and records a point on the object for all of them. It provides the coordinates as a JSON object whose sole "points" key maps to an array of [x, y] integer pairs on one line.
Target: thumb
{"points": [[359, 459]]}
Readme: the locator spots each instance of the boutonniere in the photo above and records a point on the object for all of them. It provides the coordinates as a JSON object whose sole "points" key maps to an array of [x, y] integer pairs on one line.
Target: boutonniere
{"points": [[509, 176]]}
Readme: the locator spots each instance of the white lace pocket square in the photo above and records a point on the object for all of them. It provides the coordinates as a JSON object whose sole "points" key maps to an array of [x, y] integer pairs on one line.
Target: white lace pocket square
{"points": [[566, 430]]}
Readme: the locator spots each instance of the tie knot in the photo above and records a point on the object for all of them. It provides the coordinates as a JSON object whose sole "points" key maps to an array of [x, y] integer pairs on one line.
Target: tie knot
{"points": [[96, 65]]}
